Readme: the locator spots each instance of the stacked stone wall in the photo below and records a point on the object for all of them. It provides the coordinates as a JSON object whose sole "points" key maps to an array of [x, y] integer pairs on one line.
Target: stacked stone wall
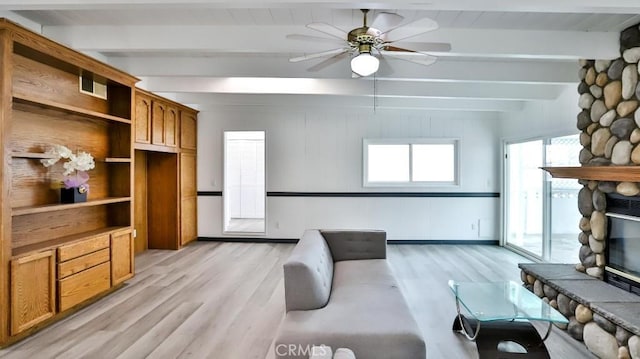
{"points": [[610, 135], [609, 122]]}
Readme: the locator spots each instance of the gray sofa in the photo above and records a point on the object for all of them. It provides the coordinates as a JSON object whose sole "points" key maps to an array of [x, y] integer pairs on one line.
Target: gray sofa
{"points": [[341, 292]]}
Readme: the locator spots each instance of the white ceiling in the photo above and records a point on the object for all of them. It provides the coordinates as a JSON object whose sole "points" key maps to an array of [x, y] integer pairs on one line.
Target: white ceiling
{"points": [[210, 53]]}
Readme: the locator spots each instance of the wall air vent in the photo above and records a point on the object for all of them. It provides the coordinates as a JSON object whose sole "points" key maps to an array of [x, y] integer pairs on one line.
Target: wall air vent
{"points": [[93, 85]]}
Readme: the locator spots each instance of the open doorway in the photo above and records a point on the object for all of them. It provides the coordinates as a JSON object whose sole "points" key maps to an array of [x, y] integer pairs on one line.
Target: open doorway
{"points": [[244, 182]]}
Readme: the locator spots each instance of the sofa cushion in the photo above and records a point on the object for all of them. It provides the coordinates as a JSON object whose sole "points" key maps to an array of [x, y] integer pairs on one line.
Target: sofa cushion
{"points": [[351, 244], [308, 273], [366, 313]]}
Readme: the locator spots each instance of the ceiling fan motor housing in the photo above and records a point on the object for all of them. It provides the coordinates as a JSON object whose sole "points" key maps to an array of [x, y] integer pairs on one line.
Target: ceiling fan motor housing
{"points": [[364, 38], [364, 35]]}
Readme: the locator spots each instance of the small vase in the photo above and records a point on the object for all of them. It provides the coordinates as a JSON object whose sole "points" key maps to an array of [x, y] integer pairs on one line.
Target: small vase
{"points": [[73, 195]]}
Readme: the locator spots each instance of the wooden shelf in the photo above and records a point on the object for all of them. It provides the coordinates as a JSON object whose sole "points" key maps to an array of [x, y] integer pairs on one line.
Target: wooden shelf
{"points": [[34, 155], [21, 211], [598, 173], [117, 160], [47, 104], [55, 242]]}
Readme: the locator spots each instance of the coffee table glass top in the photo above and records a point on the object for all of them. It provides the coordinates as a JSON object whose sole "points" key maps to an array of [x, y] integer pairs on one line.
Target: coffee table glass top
{"points": [[490, 301]]}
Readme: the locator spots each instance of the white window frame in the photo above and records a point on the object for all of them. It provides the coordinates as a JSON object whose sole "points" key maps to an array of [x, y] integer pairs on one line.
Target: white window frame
{"points": [[410, 141]]}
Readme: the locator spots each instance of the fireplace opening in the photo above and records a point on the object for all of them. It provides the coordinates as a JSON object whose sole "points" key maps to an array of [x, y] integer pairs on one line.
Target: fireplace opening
{"points": [[623, 243]]}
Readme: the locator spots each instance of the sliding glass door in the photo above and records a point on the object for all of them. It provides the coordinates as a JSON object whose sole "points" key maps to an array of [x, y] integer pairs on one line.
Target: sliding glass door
{"points": [[524, 196], [541, 213]]}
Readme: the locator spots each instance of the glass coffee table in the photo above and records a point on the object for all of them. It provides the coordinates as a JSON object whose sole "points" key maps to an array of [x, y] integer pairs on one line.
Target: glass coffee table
{"points": [[498, 316]]}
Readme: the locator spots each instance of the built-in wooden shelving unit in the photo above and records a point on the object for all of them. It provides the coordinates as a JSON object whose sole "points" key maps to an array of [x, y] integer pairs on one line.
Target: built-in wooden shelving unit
{"points": [[41, 105]]}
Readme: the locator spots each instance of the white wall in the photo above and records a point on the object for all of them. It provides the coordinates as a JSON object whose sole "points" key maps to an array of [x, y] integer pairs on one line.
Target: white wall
{"points": [[312, 150], [544, 118], [548, 119]]}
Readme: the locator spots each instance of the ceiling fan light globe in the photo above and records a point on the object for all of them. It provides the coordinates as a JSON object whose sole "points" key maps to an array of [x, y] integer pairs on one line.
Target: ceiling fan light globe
{"points": [[365, 64]]}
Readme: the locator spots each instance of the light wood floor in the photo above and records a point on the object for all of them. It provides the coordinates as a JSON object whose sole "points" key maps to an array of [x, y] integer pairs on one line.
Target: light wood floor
{"points": [[226, 300]]}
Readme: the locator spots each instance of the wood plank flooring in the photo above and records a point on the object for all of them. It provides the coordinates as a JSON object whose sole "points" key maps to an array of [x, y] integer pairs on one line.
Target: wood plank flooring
{"points": [[226, 300]]}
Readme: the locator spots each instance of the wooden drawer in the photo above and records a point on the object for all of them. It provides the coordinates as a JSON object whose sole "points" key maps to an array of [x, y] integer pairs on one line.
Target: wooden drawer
{"points": [[79, 264], [81, 248], [79, 287]]}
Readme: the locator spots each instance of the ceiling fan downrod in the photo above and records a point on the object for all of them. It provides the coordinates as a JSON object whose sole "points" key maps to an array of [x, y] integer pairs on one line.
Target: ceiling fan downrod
{"points": [[364, 13]]}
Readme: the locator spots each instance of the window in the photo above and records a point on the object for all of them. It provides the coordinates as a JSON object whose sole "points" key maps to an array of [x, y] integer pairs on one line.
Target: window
{"points": [[410, 162]]}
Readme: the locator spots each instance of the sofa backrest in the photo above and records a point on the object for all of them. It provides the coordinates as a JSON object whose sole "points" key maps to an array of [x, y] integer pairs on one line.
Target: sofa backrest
{"points": [[356, 244], [308, 273]]}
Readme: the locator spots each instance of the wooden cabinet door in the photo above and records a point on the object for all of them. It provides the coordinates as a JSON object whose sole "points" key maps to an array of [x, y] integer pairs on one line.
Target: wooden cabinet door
{"points": [[32, 290], [188, 130], [188, 174], [122, 265], [158, 115], [171, 127], [188, 220], [143, 119], [188, 198]]}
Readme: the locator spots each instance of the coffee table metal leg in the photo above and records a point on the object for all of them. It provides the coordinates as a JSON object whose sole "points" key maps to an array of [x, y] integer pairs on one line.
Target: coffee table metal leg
{"points": [[548, 332], [462, 324]]}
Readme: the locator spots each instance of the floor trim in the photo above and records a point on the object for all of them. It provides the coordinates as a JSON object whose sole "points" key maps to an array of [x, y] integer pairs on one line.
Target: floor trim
{"points": [[369, 194], [390, 241]]}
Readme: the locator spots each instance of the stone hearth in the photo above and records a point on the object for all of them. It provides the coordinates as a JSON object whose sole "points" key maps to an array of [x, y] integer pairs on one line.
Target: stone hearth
{"points": [[606, 318]]}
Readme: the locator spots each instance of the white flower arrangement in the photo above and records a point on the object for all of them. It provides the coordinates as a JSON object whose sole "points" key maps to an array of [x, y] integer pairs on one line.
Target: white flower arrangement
{"points": [[77, 163]]}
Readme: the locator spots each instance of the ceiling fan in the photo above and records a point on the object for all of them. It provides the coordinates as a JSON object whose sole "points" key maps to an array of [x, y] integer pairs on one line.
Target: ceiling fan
{"points": [[367, 46]]}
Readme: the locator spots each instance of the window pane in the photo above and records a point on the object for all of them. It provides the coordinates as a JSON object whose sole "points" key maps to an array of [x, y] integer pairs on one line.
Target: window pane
{"points": [[388, 163], [433, 162], [564, 248]]}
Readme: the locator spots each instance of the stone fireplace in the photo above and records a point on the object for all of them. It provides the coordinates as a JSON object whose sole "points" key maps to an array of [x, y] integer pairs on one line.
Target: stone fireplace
{"points": [[610, 135], [604, 316]]}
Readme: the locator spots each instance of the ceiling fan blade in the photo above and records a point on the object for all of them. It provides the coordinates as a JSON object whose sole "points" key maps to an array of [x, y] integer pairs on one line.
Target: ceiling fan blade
{"points": [[390, 48], [419, 46], [320, 54], [328, 62], [385, 21], [412, 56], [328, 29], [411, 29], [309, 38]]}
